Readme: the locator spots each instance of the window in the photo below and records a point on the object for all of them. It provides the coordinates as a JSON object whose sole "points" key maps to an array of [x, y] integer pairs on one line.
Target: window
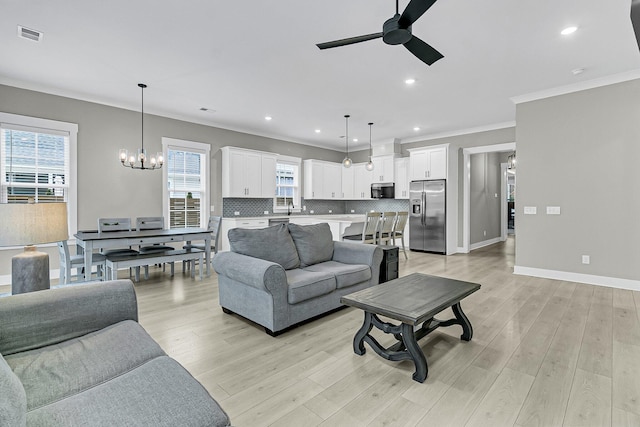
{"points": [[186, 174], [37, 162], [287, 184]]}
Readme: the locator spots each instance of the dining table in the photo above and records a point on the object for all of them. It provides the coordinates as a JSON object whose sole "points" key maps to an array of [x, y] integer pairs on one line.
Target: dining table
{"points": [[89, 241]]}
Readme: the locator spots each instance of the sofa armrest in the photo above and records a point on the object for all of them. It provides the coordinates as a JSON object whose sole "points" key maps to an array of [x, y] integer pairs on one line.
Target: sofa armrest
{"points": [[360, 253], [37, 319], [254, 272]]}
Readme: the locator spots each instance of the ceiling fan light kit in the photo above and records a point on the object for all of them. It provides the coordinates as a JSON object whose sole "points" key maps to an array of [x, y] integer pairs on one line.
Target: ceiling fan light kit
{"points": [[397, 30]]}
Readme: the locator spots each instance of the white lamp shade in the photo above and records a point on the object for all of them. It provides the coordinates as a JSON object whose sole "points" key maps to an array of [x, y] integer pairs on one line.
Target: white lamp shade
{"points": [[25, 224]]}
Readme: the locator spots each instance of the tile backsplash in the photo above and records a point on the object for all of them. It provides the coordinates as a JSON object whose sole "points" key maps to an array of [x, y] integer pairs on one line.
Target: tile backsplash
{"points": [[257, 207]]}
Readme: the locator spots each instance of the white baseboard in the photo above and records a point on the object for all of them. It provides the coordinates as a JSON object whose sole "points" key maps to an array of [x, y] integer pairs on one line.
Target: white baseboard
{"points": [[484, 243], [6, 279], [610, 282], [461, 250]]}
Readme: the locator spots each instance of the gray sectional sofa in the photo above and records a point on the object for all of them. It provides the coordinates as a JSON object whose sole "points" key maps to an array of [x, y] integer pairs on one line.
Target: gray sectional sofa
{"points": [[282, 275], [77, 356]]}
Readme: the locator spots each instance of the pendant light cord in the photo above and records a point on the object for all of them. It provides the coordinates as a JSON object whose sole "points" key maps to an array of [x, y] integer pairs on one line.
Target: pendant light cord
{"points": [[347, 132]]}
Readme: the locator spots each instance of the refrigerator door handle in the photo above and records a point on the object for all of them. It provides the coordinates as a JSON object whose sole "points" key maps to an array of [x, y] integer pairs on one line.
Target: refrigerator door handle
{"points": [[423, 203]]}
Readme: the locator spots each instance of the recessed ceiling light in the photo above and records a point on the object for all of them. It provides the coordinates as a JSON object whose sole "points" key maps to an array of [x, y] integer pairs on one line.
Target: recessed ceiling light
{"points": [[577, 71], [267, 118], [355, 139], [318, 131], [416, 128], [568, 30], [410, 81], [207, 110]]}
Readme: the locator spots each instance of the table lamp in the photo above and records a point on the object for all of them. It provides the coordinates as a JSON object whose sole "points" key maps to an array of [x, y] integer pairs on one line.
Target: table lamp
{"points": [[29, 224]]}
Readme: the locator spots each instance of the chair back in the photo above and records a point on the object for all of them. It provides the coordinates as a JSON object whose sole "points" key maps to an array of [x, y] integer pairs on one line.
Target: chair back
{"points": [[63, 250], [388, 220], [401, 222], [214, 227], [150, 223], [371, 223], [114, 224]]}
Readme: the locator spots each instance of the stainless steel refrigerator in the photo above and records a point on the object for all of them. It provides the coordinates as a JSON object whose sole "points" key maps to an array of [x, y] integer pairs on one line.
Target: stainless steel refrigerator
{"points": [[428, 216]]}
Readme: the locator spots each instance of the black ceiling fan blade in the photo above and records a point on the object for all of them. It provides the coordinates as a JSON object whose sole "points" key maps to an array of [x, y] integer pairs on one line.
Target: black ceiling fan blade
{"points": [[351, 40], [414, 10], [423, 51]]}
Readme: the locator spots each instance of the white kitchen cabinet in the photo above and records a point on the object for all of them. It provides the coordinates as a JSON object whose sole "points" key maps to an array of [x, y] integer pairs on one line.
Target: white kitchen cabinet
{"points": [[248, 173], [362, 181], [348, 182], [401, 177], [428, 163], [322, 180], [383, 168]]}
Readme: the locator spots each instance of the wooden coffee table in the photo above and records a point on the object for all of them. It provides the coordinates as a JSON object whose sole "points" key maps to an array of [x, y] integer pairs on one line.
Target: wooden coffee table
{"points": [[412, 300]]}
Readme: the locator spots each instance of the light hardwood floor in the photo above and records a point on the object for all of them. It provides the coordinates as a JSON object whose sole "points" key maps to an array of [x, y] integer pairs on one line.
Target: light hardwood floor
{"points": [[544, 353]]}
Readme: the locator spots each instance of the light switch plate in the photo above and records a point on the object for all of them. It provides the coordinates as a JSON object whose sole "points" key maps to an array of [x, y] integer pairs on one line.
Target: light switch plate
{"points": [[530, 210], [553, 210]]}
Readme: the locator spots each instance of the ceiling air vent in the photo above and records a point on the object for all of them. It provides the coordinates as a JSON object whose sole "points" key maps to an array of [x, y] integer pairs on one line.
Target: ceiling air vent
{"points": [[29, 34]]}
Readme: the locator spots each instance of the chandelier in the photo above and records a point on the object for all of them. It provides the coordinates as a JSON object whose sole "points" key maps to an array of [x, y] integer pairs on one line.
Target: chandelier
{"points": [[133, 161]]}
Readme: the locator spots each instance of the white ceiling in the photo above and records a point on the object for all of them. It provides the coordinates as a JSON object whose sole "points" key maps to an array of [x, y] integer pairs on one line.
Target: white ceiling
{"points": [[246, 59]]}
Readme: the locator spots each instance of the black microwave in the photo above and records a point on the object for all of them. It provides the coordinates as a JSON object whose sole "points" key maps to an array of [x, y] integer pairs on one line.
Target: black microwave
{"points": [[383, 190]]}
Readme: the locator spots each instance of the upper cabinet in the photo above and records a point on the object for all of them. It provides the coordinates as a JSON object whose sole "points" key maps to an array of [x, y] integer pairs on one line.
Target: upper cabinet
{"points": [[362, 179], [401, 177], [348, 182], [428, 163], [383, 168], [322, 180], [248, 173]]}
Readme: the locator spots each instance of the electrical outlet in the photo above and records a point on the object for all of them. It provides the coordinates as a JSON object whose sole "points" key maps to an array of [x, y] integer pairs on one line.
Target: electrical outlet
{"points": [[304, 208], [311, 211], [353, 211], [485, 233], [236, 213], [530, 210], [330, 211], [266, 212], [553, 210], [586, 259]]}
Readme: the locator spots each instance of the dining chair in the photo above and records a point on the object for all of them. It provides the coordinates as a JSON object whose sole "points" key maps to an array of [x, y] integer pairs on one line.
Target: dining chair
{"points": [[68, 262], [152, 223], [398, 230], [214, 227], [107, 225], [385, 231], [369, 230]]}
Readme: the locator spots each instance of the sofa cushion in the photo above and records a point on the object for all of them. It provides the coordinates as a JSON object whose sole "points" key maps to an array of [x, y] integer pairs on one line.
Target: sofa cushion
{"points": [[160, 392], [313, 242], [346, 274], [304, 285], [55, 372], [13, 400], [272, 244]]}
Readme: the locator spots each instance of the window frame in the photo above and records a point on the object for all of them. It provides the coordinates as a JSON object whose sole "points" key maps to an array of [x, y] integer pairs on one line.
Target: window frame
{"points": [[204, 150], [40, 125], [297, 200]]}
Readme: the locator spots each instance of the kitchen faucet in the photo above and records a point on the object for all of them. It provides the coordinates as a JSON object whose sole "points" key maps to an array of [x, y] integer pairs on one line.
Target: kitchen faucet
{"points": [[289, 207]]}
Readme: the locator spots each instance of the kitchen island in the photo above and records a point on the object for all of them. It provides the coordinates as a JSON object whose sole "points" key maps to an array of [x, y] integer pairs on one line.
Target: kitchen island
{"points": [[338, 223]]}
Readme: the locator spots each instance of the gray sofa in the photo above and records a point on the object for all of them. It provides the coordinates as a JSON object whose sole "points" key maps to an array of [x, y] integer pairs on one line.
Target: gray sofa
{"points": [[282, 275], [77, 356]]}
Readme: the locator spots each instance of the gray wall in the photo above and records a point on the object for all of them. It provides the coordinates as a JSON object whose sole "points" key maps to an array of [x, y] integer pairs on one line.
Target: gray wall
{"points": [[105, 188], [485, 197], [580, 151]]}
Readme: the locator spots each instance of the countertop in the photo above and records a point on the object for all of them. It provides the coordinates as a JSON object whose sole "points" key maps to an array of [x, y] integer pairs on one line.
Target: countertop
{"points": [[327, 217]]}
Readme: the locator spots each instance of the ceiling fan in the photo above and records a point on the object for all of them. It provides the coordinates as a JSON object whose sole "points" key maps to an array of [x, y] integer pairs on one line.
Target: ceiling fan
{"points": [[397, 30]]}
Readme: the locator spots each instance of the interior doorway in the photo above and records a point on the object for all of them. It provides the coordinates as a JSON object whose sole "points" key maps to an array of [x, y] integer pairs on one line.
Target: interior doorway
{"points": [[466, 220]]}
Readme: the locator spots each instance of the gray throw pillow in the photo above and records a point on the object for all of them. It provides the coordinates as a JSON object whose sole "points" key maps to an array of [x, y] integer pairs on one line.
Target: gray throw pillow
{"points": [[271, 244], [314, 243]]}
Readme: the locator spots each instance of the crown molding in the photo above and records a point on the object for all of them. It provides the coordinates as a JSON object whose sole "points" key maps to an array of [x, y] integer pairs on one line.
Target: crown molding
{"points": [[577, 87], [467, 131]]}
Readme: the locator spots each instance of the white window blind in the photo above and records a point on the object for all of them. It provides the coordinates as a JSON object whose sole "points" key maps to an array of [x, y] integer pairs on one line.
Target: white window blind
{"points": [[287, 184], [34, 164]]}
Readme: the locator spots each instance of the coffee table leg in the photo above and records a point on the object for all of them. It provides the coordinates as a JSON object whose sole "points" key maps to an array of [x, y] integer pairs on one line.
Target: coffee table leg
{"points": [[409, 340], [358, 340], [467, 330]]}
